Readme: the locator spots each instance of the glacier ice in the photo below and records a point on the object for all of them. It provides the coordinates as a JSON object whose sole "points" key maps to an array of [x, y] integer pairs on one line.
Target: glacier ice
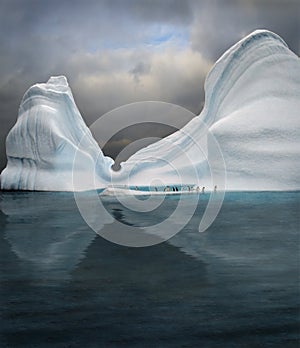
{"points": [[252, 103]]}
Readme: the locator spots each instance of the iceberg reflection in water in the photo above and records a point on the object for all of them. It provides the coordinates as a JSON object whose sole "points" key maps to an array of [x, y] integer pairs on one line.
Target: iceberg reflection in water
{"points": [[235, 284], [46, 232]]}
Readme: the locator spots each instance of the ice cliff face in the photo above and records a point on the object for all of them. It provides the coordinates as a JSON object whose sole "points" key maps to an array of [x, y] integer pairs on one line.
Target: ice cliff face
{"points": [[41, 146], [251, 107]]}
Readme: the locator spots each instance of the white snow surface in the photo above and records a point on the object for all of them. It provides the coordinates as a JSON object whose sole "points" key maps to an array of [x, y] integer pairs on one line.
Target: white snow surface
{"points": [[252, 106]]}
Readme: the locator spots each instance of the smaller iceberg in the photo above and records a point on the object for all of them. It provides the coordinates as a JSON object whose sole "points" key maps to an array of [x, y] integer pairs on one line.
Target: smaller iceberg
{"points": [[42, 144]]}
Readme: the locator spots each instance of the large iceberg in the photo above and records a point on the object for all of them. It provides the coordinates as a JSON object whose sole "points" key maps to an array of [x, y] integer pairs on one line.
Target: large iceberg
{"points": [[252, 103]]}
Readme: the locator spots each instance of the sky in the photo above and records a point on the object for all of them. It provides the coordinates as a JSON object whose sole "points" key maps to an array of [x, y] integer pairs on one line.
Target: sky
{"points": [[116, 52]]}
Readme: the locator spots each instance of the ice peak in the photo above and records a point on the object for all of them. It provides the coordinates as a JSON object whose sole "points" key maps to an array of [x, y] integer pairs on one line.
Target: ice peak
{"points": [[58, 81]]}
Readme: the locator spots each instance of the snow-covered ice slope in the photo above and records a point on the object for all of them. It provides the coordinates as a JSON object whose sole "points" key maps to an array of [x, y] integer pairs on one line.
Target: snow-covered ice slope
{"points": [[41, 146], [252, 106]]}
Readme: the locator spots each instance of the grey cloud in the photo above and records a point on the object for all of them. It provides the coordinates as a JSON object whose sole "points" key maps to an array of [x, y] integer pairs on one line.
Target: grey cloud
{"points": [[168, 75], [141, 68], [92, 23], [219, 24], [145, 131]]}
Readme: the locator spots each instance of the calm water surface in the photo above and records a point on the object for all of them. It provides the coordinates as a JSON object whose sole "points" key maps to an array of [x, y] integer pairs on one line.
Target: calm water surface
{"points": [[236, 285]]}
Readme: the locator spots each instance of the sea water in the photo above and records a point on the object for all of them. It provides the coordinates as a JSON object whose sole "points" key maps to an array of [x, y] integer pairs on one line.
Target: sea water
{"points": [[235, 285]]}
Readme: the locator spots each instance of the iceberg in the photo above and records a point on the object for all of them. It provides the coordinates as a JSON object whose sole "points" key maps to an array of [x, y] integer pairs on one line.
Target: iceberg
{"points": [[252, 103], [42, 144]]}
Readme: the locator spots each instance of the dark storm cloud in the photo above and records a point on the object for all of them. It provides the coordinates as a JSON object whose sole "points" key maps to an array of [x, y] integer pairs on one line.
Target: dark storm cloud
{"points": [[89, 23], [119, 51], [219, 24]]}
